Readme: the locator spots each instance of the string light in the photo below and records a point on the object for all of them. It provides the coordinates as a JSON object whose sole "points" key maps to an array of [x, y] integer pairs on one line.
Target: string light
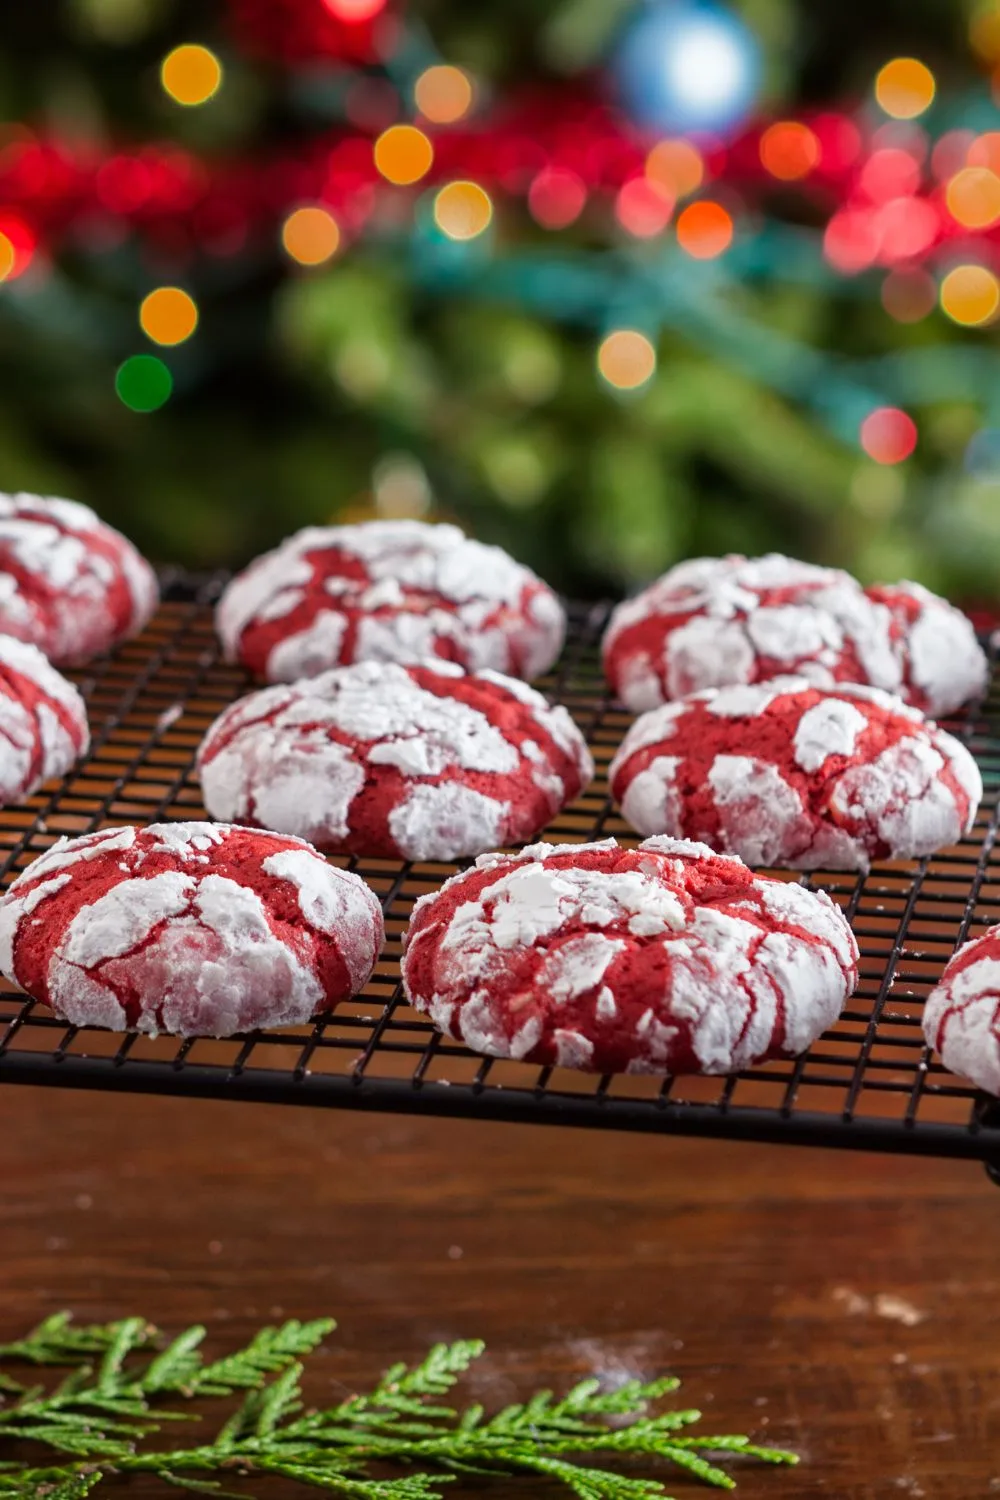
{"points": [[704, 229], [626, 359], [970, 295], [677, 166], [973, 197], [168, 315], [643, 207], [191, 74], [556, 198], [789, 150], [143, 383], [888, 435], [310, 235], [904, 88], [462, 210], [443, 94], [908, 295], [403, 154]]}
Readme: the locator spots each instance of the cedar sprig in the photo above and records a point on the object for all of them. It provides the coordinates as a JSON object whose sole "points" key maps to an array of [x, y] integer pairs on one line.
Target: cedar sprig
{"points": [[99, 1419]]}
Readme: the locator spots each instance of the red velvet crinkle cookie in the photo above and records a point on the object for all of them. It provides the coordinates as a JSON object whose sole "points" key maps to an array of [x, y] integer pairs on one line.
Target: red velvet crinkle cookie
{"points": [[400, 762], [783, 773], [191, 928], [962, 1015], [721, 621], [389, 591], [43, 721], [69, 584], [662, 959]]}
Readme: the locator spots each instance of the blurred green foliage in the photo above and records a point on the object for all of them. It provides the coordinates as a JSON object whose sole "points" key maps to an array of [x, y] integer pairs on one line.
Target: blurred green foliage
{"points": [[380, 383]]}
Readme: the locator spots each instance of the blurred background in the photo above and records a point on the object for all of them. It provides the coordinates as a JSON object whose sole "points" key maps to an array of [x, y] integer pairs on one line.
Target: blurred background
{"points": [[610, 283]]}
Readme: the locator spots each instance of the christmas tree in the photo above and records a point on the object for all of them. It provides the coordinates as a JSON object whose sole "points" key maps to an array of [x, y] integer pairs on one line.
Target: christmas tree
{"points": [[608, 283]]}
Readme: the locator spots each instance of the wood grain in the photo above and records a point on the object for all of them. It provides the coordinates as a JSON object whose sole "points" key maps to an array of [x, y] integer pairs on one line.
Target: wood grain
{"points": [[841, 1305]]}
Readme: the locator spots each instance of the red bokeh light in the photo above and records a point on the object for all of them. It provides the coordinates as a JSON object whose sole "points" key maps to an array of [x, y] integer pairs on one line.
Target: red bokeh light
{"points": [[643, 207], [851, 242], [891, 173], [22, 240], [354, 10], [556, 197], [888, 435], [839, 143], [905, 229]]}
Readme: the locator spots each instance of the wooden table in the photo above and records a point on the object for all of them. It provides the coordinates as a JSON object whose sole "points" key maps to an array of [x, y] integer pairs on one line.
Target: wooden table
{"points": [[839, 1304]]}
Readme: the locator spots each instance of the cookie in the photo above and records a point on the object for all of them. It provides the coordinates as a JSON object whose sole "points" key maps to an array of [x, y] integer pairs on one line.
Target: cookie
{"points": [[400, 762], [388, 591], [662, 959], [722, 621], [69, 584], [43, 721], [784, 773], [962, 1015], [190, 928]]}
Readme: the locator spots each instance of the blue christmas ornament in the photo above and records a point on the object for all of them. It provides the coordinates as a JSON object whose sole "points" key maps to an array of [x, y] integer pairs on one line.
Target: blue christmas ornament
{"points": [[684, 66]]}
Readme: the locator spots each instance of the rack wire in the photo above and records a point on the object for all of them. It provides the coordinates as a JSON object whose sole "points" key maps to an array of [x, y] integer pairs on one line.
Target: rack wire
{"points": [[869, 1083]]}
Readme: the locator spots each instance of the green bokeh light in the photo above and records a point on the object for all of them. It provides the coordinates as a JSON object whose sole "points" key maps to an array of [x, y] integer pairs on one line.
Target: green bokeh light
{"points": [[143, 382]]}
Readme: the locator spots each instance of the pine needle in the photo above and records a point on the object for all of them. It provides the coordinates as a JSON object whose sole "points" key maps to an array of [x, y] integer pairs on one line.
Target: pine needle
{"points": [[100, 1418]]}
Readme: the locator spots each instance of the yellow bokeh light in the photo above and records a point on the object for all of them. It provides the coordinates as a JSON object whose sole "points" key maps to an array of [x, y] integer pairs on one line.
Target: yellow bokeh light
{"points": [[310, 235], [443, 94], [970, 295], [462, 210], [677, 166], [973, 197], [168, 315], [984, 31], [626, 359], [8, 255], [191, 74], [904, 88], [403, 154]]}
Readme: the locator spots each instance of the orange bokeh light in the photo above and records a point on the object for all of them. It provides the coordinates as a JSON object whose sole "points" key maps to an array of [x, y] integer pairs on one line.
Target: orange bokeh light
{"points": [[970, 295], [443, 94], [704, 229], [904, 88], [462, 210], [310, 235], [888, 435], [403, 154], [973, 197], [789, 150], [626, 359], [676, 166]]}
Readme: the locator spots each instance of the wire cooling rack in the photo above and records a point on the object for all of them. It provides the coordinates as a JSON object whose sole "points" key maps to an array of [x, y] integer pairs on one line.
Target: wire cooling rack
{"points": [[869, 1083]]}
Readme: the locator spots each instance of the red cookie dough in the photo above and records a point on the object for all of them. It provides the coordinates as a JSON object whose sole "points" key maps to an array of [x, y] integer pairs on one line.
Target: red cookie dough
{"points": [[69, 584], [962, 1015], [190, 928], [422, 762], [721, 621], [662, 959], [784, 773], [388, 591], [43, 721]]}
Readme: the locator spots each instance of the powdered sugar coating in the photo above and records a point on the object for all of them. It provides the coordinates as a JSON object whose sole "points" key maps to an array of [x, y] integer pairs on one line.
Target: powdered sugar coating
{"points": [[43, 721], [190, 928], [664, 959], [69, 583], [400, 762], [790, 774], [962, 1015], [716, 622], [399, 591]]}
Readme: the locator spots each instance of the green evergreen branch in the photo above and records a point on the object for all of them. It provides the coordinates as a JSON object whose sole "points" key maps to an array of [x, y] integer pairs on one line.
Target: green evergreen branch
{"points": [[99, 1415]]}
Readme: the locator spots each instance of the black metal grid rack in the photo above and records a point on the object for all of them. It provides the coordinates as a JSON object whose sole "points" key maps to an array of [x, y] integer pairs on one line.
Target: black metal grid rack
{"points": [[868, 1083]]}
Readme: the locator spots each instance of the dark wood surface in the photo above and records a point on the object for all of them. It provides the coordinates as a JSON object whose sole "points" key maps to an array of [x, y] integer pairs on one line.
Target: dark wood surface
{"points": [[843, 1305]]}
